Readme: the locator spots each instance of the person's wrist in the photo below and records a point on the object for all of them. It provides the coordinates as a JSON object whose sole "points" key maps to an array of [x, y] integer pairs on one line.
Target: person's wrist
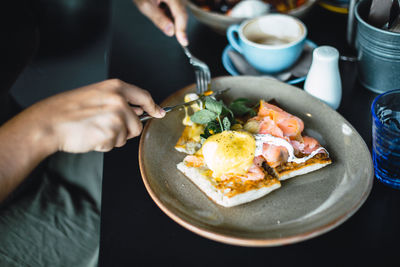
{"points": [[44, 134], [39, 132]]}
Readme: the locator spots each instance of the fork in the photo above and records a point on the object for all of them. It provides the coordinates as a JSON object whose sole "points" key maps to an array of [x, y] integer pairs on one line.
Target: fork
{"points": [[201, 71]]}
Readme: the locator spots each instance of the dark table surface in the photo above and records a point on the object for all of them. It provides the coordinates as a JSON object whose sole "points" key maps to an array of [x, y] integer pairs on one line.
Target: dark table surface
{"points": [[135, 232]]}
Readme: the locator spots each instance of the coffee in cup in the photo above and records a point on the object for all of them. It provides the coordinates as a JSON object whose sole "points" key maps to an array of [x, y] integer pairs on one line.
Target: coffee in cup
{"points": [[270, 43]]}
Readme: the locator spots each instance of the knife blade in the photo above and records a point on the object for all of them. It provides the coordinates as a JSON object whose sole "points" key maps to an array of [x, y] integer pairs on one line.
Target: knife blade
{"points": [[145, 116]]}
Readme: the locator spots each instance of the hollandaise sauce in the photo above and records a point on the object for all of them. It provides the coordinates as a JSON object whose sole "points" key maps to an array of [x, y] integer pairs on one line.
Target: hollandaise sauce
{"points": [[195, 107]]}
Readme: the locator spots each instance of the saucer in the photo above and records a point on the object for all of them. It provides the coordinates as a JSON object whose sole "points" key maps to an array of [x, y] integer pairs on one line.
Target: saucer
{"points": [[230, 68]]}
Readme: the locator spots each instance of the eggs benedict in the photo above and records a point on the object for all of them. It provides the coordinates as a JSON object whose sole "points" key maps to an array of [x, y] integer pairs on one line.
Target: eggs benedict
{"points": [[241, 164]]}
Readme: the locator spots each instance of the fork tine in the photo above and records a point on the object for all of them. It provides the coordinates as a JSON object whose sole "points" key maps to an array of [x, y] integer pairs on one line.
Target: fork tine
{"points": [[198, 81], [208, 77], [201, 82], [204, 82], [202, 72]]}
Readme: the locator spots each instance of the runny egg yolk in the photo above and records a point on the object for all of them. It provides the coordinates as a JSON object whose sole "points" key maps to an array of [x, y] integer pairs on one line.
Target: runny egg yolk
{"points": [[229, 152]]}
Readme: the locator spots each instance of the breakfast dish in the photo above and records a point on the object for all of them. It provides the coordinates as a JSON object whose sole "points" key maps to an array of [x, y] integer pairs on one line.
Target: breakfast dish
{"points": [[302, 208], [240, 152], [220, 22], [226, 6]]}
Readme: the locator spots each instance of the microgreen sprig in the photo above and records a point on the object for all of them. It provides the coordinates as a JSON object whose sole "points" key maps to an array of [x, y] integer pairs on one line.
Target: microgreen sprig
{"points": [[239, 107], [217, 117], [213, 110]]}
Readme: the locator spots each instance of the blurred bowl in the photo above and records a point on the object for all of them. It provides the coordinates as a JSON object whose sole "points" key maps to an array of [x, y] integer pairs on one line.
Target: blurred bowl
{"points": [[220, 22]]}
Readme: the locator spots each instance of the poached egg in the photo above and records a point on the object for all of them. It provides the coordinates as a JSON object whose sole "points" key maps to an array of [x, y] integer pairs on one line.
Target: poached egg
{"points": [[229, 152]]}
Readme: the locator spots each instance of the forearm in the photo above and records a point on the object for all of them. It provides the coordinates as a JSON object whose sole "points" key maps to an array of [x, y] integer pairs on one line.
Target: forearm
{"points": [[24, 143], [95, 117]]}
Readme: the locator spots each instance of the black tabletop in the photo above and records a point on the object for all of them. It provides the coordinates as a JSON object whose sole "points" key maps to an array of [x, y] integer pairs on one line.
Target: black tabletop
{"points": [[135, 232]]}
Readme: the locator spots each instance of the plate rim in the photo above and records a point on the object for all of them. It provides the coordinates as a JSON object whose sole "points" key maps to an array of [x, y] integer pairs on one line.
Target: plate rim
{"points": [[252, 242]]}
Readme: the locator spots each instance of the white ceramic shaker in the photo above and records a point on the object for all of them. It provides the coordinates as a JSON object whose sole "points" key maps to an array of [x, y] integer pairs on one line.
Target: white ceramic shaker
{"points": [[323, 79]]}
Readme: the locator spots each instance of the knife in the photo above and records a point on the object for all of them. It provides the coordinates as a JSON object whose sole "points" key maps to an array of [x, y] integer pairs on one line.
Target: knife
{"points": [[145, 116]]}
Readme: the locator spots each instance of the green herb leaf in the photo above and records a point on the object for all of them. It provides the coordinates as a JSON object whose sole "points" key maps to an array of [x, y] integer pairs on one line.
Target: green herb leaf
{"points": [[226, 111], [203, 116], [204, 136], [211, 128], [239, 107], [213, 105], [220, 124], [243, 101], [226, 123]]}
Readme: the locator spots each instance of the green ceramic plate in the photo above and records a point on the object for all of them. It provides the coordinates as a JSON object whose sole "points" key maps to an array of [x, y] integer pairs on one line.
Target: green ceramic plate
{"points": [[304, 207]]}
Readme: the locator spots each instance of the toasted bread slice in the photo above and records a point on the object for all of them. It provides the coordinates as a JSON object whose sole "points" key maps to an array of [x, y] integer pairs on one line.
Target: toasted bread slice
{"points": [[289, 169], [235, 191], [228, 193]]}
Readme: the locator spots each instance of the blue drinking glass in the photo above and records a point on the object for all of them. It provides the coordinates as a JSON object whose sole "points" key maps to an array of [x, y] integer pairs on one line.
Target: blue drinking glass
{"points": [[385, 111]]}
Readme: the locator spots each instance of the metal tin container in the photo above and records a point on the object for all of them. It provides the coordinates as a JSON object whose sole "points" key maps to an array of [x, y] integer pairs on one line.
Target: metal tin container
{"points": [[378, 53]]}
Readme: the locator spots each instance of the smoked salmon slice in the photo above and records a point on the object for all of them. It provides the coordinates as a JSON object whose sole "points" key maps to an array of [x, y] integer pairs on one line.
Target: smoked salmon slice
{"points": [[274, 155], [291, 126]]}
